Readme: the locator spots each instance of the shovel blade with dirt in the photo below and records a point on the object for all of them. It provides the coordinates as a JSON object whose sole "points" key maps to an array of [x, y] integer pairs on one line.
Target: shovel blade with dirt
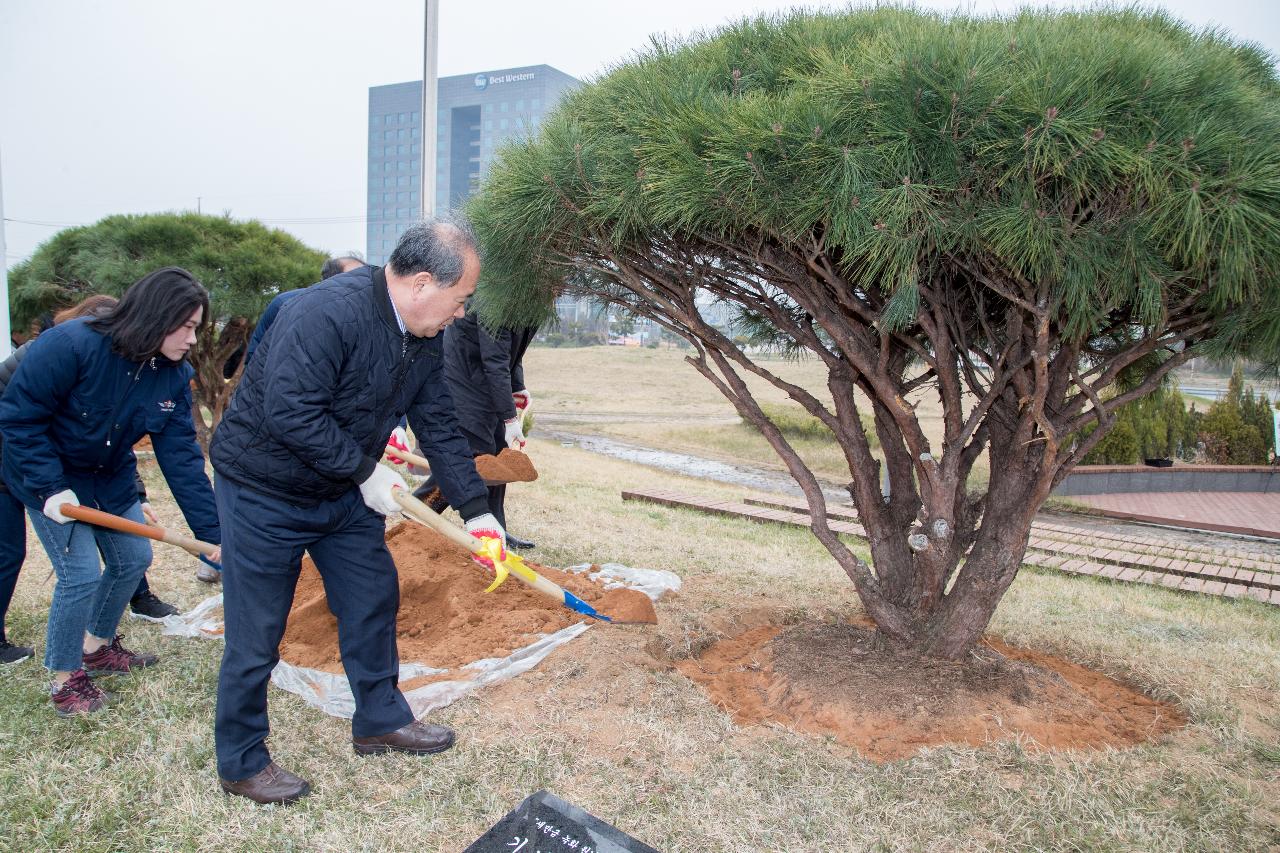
{"points": [[509, 466], [491, 550]]}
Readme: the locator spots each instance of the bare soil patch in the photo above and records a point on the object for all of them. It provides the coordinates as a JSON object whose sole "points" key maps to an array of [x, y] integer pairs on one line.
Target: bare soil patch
{"points": [[446, 619], [832, 680]]}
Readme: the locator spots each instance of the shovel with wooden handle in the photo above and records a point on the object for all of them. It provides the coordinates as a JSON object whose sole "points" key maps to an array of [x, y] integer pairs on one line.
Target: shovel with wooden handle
{"points": [[485, 463], [198, 549], [491, 550], [409, 458]]}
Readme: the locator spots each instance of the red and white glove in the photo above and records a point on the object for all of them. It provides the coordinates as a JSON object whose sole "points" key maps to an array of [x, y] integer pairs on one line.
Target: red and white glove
{"points": [[522, 399], [514, 433], [487, 527], [399, 439]]}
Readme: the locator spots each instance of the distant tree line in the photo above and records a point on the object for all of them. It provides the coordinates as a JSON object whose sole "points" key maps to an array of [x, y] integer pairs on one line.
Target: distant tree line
{"points": [[1236, 430]]}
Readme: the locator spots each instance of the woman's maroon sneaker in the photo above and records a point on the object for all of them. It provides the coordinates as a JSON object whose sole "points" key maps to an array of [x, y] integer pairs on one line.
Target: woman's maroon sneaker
{"points": [[114, 658], [77, 695]]}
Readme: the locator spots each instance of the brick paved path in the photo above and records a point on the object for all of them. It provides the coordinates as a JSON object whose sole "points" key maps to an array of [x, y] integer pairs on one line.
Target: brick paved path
{"points": [[1251, 513], [1232, 572]]}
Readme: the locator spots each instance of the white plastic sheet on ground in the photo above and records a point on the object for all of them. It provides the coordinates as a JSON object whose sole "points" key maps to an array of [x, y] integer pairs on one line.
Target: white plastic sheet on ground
{"points": [[331, 693], [652, 582]]}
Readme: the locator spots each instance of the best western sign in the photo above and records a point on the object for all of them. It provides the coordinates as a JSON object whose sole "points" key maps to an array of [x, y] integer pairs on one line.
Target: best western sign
{"points": [[484, 81]]}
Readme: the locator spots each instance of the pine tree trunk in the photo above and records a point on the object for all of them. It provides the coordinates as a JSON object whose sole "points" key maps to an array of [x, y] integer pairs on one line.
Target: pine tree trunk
{"points": [[211, 390]]}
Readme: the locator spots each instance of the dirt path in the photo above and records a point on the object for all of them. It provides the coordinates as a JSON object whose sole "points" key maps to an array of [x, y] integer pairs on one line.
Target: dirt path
{"points": [[736, 472]]}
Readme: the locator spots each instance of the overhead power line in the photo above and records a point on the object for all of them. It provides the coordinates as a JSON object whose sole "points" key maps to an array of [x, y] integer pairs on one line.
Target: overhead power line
{"points": [[300, 220], [46, 224]]}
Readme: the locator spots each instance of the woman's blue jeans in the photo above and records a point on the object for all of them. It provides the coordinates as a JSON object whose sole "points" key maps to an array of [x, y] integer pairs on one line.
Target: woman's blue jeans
{"points": [[86, 597]]}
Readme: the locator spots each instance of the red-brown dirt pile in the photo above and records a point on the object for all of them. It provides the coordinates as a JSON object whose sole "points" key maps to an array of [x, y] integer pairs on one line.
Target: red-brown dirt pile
{"points": [[831, 679], [446, 618], [509, 466]]}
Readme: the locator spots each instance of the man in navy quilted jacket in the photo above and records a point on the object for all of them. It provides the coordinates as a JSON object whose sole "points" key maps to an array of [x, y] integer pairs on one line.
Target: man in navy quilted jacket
{"points": [[296, 458]]}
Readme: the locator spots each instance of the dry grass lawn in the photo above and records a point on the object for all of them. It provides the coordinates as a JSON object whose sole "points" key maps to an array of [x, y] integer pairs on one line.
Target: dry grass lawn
{"points": [[606, 724], [654, 398]]}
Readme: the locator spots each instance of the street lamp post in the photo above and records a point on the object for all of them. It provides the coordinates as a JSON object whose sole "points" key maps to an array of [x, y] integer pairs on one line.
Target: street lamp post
{"points": [[430, 43], [5, 346]]}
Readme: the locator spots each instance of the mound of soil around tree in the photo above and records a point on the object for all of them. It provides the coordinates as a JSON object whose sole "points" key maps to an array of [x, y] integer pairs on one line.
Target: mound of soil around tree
{"points": [[833, 680], [446, 618]]}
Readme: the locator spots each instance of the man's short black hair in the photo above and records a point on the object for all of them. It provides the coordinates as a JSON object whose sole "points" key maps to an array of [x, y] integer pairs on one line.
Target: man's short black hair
{"points": [[334, 266]]}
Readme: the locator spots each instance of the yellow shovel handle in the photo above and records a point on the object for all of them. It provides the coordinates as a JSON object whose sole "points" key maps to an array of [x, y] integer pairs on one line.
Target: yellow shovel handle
{"points": [[419, 511]]}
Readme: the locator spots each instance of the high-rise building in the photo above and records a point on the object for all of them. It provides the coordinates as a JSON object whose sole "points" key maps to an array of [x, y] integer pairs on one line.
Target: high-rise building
{"points": [[475, 114]]}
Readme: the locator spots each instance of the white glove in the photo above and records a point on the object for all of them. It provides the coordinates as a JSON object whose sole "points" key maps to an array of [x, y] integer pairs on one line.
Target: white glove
{"points": [[66, 496], [377, 490], [514, 433], [487, 525], [522, 399]]}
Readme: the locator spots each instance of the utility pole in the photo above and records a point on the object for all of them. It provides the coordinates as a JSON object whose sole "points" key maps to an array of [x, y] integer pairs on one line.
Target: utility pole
{"points": [[430, 43], [198, 199], [5, 345]]}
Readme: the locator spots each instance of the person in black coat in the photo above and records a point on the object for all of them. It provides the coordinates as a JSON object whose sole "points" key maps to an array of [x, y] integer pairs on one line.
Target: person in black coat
{"points": [[485, 373], [296, 458], [330, 268]]}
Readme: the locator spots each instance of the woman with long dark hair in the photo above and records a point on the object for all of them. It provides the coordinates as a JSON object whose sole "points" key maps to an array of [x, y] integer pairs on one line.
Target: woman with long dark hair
{"points": [[13, 517], [88, 390]]}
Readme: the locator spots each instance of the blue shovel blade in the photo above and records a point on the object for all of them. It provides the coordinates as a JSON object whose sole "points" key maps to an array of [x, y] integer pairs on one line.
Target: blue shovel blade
{"points": [[576, 604]]}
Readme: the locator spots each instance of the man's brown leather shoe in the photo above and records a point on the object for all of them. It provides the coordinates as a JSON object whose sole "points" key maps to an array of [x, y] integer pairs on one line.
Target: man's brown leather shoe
{"points": [[416, 739], [271, 784]]}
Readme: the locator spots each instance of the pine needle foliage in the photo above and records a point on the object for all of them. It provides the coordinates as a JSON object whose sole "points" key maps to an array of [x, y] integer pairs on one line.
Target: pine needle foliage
{"points": [[1015, 213]]}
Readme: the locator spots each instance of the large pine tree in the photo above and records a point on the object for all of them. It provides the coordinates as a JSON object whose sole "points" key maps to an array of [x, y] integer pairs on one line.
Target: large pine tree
{"points": [[1033, 218]]}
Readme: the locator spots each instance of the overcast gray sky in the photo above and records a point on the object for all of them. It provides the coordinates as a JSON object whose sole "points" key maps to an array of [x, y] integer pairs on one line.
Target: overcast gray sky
{"points": [[258, 107]]}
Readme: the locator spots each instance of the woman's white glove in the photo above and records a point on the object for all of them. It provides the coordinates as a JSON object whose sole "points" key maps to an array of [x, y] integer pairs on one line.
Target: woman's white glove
{"points": [[53, 504], [513, 433], [376, 490], [522, 399]]}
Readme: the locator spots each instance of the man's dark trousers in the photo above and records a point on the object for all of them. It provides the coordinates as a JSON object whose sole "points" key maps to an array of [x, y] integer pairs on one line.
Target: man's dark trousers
{"points": [[13, 548], [262, 543]]}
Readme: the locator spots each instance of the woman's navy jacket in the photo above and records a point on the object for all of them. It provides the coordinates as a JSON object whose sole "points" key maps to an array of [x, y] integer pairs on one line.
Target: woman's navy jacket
{"points": [[74, 410]]}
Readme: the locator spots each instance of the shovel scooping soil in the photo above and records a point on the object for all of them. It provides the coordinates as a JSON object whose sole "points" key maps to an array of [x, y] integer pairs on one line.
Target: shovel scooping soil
{"points": [[446, 619], [509, 466]]}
